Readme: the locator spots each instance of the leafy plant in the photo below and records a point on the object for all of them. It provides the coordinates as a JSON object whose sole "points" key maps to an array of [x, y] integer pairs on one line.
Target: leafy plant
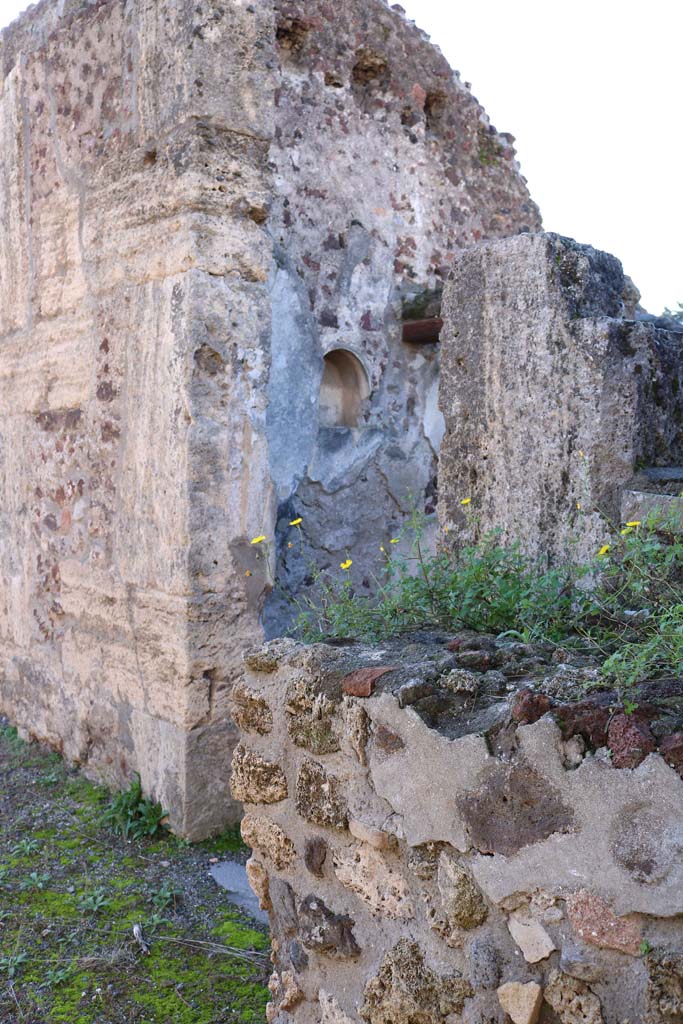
{"points": [[165, 896], [626, 605], [35, 880], [488, 588], [55, 976], [25, 847], [133, 815], [93, 901], [10, 965], [675, 314]]}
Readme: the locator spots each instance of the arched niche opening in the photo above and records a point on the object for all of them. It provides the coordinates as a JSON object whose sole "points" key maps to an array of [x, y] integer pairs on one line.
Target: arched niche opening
{"points": [[344, 389]]}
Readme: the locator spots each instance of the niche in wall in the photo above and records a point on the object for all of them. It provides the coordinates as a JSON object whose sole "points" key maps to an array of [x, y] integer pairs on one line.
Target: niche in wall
{"points": [[344, 389]]}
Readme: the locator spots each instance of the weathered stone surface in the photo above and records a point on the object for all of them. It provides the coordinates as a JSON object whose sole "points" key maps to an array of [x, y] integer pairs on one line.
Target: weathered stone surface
{"points": [[529, 706], [547, 392], [250, 712], [671, 749], [356, 729], [513, 807], [257, 876], [586, 719], [484, 960], [665, 988], [407, 990], [315, 855], [375, 837], [361, 683], [630, 740], [581, 962], [268, 839], [376, 881], [459, 680], [331, 1011], [311, 717], [192, 324], [410, 869], [530, 936], [285, 990], [353, 262], [596, 923], [387, 741], [628, 830], [262, 659], [320, 797], [284, 916], [461, 899], [521, 1001], [572, 1001], [324, 931], [255, 780]]}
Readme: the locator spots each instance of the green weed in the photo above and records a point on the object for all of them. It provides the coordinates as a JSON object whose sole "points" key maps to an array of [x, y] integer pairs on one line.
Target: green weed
{"points": [[133, 815]]}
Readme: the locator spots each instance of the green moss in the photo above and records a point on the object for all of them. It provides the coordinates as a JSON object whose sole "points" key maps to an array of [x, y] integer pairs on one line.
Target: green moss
{"points": [[229, 841], [232, 932]]}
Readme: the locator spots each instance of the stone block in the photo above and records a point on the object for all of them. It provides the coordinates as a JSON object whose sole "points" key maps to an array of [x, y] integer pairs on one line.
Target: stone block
{"points": [[530, 936], [255, 780], [378, 882], [268, 839], [320, 797], [406, 989], [521, 1001], [572, 1000]]}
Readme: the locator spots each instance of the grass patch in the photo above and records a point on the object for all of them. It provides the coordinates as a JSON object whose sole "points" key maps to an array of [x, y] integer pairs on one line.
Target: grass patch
{"points": [[71, 891]]}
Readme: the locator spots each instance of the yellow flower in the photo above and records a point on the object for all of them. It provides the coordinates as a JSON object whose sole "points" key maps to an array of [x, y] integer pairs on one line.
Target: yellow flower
{"points": [[259, 540], [626, 531], [579, 505], [296, 522], [603, 550], [582, 455], [290, 545], [346, 565], [445, 529], [634, 523], [382, 548], [466, 501], [247, 573], [394, 541]]}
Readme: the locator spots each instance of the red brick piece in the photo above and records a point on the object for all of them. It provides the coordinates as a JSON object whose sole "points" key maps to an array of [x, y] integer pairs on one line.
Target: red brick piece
{"points": [[361, 683]]}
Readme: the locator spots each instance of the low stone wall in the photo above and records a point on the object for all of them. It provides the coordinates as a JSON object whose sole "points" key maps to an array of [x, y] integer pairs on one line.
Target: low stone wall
{"points": [[443, 832]]}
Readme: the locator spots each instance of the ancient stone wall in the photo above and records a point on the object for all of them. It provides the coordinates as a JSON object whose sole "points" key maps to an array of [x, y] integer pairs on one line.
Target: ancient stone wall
{"points": [[385, 165], [554, 394], [197, 202], [134, 327], [448, 830]]}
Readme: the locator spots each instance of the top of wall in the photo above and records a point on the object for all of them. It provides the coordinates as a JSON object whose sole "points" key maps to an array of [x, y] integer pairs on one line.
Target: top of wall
{"points": [[391, 65]]}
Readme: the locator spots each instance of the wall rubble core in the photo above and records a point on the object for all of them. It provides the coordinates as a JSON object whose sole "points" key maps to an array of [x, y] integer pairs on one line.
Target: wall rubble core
{"points": [[197, 203], [470, 857]]}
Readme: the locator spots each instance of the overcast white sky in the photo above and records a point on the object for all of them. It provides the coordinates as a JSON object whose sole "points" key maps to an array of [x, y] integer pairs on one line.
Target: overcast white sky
{"points": [[593, 90]]}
